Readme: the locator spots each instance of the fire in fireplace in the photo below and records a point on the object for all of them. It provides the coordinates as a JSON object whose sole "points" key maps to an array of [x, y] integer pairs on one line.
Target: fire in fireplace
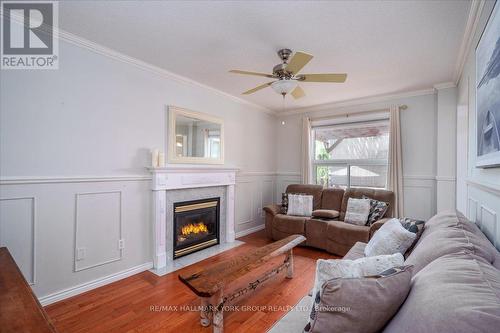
{"points": [[196, 225]]}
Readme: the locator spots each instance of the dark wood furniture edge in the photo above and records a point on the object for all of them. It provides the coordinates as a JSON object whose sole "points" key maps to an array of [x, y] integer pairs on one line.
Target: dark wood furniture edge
{"points": [[7, 259]]}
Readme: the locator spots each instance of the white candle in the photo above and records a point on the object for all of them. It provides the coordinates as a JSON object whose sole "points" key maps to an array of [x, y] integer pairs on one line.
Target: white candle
{"points": [[154, 157], [161, 159]]}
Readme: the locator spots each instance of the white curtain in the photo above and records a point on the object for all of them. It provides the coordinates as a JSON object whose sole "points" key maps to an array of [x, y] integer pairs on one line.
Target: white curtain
{"points": [[306, 150], [395, 170]]}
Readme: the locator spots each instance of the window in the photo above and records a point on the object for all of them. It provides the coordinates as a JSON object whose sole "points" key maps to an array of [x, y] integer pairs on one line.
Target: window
{"points": [[351, 155]]}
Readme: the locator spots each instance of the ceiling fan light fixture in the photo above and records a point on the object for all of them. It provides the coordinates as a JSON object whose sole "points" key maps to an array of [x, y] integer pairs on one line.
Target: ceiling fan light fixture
{"points": [[284, 87]]}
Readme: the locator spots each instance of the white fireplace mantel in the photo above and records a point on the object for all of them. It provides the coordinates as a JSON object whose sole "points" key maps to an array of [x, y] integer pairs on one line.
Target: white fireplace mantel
{"points": [[174, 178]]}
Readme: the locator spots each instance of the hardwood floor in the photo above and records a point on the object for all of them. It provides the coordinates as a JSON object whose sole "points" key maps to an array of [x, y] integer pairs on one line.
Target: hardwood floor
{"points": [[148, 303]]}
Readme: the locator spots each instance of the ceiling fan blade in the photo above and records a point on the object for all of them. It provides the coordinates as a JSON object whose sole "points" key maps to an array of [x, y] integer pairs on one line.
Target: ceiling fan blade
{"points": [[237, 71], [340, 78], [299, 60], [298, 92], [262, 86]]}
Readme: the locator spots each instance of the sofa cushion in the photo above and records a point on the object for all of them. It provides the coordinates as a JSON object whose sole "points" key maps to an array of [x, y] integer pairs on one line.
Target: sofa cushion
{"points": [[356, 252], [457, 293], [316, 233], [288, 225], [381, 195], [325, 213], [360, 304], [332, 198], [314, 190], [448, 234], [342, 236]]}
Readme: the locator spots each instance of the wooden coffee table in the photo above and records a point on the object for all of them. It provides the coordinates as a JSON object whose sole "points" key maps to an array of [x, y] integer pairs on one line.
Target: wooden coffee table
{"points": [[209, 283]]}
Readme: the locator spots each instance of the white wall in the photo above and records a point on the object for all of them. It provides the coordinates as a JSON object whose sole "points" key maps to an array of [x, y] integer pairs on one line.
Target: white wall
{"points": [[418, 126], [80, 135], [478, 190]]}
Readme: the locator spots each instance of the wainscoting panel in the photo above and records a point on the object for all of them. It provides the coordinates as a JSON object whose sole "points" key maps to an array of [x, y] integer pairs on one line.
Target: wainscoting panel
{"points": [[244, 201], [253, 191], [46, 219], [419, 197], [17, 233], [484, 209], [489, 224], [472, 212], [98, 229]]}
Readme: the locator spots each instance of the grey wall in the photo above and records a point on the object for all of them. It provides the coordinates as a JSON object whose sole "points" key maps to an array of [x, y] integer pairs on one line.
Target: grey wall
{"points": [[74, 147]]}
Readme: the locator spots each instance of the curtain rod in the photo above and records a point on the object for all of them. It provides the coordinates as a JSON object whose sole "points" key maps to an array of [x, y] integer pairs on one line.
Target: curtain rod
{"points": [[347, 115]]}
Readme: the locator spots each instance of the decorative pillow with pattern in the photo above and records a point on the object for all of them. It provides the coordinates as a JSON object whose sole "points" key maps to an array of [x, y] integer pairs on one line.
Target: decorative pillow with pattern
{"points": [[415, 226], [377, 210], [284, 203]]}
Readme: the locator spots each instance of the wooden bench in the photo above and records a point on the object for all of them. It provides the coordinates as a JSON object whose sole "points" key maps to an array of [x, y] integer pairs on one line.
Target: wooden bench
{"points": [[209, 283]]}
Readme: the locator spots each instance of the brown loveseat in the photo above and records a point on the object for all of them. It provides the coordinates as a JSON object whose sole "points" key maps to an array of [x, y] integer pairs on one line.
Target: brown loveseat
{"points": [[328, 232]]}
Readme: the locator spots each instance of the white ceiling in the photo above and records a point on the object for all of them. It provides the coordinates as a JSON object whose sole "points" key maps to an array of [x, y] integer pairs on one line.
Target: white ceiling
{"points": [[385, 47]]}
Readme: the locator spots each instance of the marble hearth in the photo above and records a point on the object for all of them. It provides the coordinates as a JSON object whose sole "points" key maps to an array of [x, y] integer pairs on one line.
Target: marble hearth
{"points": [[177, 184]]}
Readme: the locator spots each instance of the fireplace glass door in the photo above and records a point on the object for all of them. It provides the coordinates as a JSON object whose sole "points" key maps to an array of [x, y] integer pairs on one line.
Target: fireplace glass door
{"points": [[196, 225]]}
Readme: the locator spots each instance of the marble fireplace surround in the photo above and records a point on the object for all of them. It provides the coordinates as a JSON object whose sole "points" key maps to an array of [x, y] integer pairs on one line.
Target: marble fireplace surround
{"points": [[176, 184]]}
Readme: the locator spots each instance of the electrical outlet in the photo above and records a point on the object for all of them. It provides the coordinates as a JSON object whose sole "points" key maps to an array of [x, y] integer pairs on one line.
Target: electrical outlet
{"points": [[121, 244], [80, 253]]}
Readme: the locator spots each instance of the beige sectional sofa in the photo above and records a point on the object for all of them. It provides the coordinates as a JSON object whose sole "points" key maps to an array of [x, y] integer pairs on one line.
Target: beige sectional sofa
{"points": [[328, 232], [456, 280]]}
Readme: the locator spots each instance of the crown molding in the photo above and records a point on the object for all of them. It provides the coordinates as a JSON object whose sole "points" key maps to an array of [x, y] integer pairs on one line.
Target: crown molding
{"points": [[113, 54], [470, 29], [445, 85], [357, 101]]}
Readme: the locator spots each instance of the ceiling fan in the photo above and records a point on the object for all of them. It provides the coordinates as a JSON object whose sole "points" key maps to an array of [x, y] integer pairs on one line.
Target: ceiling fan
{"points": [[288, 77]]}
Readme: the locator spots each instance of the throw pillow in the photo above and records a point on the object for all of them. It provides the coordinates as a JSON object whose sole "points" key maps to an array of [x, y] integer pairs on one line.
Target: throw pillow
{"points": [[357, 211], [343, 268], [300, 205], [377, 210], [363, 304], [284, 203], [389, 239], [415, 226]]}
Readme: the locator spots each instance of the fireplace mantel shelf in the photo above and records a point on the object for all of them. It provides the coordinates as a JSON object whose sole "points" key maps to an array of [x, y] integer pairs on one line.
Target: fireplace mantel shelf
{"points": [[171, 178], [195, 169]]}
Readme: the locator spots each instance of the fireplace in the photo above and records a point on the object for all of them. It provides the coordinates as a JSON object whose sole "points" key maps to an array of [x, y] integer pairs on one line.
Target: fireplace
{"points": [[196, 225]]}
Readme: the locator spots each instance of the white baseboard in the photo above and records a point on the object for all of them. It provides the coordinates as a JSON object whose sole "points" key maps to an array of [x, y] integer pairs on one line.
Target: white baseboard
{"points": [[73, 291], [249, 231]]}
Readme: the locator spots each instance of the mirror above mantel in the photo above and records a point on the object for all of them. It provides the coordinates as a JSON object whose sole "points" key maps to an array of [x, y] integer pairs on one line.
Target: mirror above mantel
{"points": [[194, 137]]}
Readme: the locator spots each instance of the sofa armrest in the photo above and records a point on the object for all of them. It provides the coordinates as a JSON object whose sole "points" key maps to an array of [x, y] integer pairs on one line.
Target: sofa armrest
{"points": [[272, 209], [375, 226]]}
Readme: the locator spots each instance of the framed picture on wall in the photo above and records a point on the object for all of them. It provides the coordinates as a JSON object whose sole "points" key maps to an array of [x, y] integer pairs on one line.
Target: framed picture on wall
{"points": [[488, 93]]}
